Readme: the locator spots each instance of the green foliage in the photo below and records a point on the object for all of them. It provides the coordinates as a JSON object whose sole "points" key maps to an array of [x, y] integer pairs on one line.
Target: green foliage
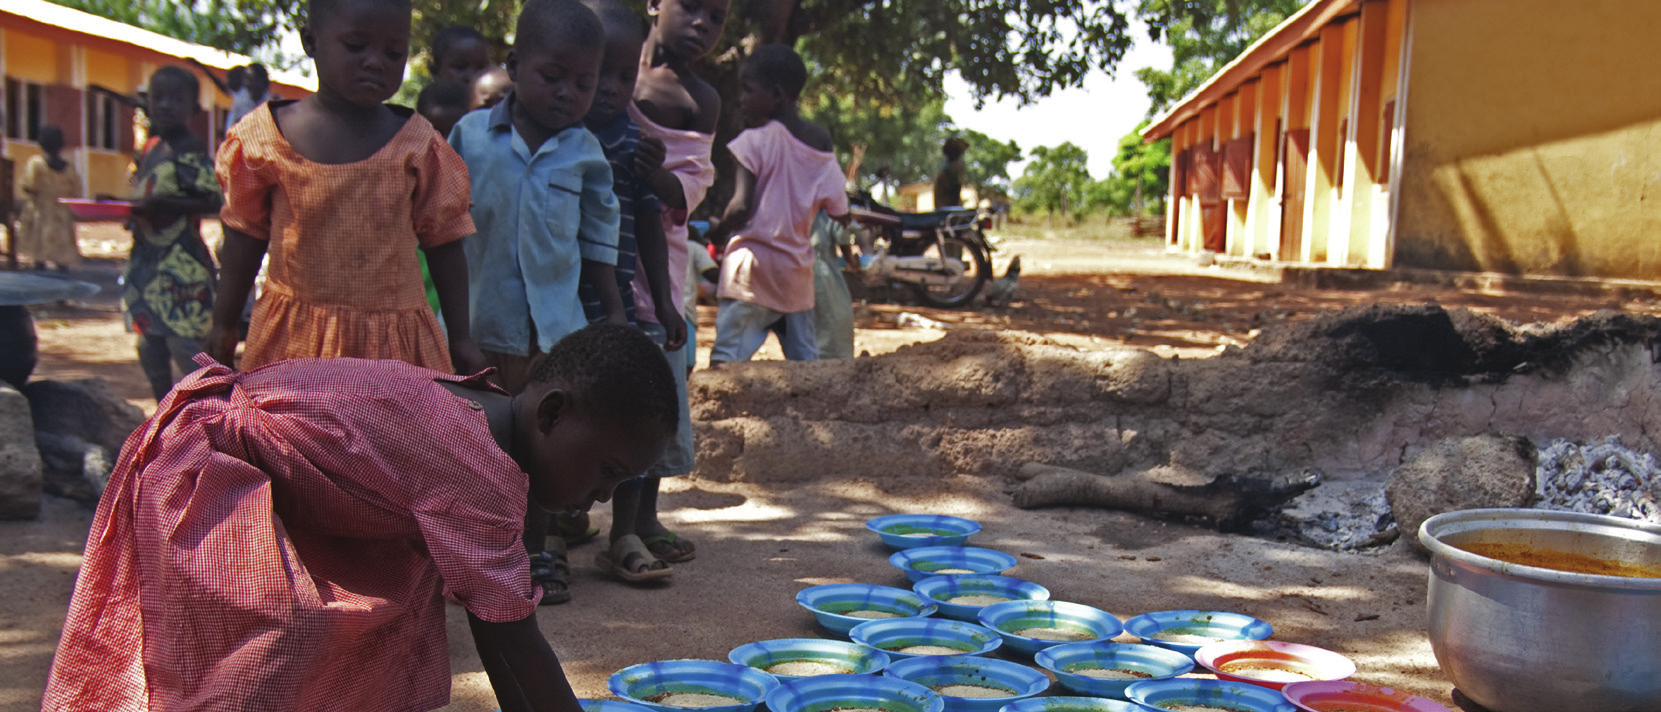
{"points": [[1203, 35], [1149, 163], [1055, 180], [247, 27]]}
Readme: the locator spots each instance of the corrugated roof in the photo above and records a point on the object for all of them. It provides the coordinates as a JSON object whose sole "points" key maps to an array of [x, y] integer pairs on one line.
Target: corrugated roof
{"points": [[73, 20], [1269, 48]]}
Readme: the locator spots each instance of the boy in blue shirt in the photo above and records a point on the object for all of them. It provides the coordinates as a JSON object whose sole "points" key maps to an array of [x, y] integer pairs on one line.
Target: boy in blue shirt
{"points": [[546, 215]]}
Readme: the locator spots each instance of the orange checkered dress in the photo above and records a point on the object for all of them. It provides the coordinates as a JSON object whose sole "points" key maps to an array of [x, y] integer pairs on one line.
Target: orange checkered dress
{"points": [[342, 278]]}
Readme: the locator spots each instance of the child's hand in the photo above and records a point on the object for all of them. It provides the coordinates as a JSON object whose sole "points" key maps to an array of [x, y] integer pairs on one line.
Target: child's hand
{"points": [[220, 344], [674, 328], [466, 357], [648, 155]]}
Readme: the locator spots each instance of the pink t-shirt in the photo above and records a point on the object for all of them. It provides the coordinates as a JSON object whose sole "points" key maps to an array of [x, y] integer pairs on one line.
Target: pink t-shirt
{"points": [[770, 259], [685, 154]]}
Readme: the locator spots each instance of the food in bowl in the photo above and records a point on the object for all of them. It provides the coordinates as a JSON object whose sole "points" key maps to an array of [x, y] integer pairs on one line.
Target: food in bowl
{"points": [[978, 599], [695, 699], [1192, 636], [958, 689], [1111, 673], [926, 650], [858, 612], [807, 668], [1559, 560], [1056, 633]]}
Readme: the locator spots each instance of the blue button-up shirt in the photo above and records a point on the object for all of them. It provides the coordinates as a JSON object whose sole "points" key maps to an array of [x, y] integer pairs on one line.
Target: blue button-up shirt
{"points": [[538, 215]]}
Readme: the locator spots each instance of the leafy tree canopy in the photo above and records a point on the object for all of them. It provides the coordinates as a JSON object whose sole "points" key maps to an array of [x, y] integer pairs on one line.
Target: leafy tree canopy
{"points": [[249, 27], [1054, 180], [1203, 35]]}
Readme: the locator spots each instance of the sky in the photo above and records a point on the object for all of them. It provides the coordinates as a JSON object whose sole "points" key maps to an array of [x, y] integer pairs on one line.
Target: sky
{"points": [[1092, 117]]}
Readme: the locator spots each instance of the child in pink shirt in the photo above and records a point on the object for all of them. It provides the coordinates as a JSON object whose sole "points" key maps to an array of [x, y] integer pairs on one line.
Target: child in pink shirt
{"points": [[786, 175]]}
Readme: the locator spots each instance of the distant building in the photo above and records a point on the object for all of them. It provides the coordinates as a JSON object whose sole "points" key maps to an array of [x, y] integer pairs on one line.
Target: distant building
{"points": [[919, 197], [50, 54], [1512, 136]]}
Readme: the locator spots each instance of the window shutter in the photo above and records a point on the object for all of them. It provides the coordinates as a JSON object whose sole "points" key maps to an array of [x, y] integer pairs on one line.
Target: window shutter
{"points": [[63, 108], [125, 119]]}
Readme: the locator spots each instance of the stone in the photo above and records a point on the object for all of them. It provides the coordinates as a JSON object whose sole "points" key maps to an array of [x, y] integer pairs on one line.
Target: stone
{"points": [[74, 468], [86, 409], [1474, 472], [1342, 516], [20, 470]]}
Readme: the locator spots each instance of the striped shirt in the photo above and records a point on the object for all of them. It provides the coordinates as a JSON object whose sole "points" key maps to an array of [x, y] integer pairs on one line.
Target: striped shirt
{"points": [[618, 139]]}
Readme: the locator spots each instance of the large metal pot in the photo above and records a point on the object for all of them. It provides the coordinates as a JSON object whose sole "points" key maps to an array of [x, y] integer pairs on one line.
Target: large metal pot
{"points": [[1523, 639]]}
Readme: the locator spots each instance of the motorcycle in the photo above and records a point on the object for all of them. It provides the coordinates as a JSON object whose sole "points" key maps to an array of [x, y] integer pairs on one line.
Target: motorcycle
{"points": [[943, 255]]}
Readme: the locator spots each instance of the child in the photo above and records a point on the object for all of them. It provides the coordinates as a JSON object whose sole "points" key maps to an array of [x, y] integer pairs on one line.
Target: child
{"points": [[490, 87], [278, 539], [442, 103], [547, 218], [255, 91], [460, 54], [948, 183], [672, 105], [46, 228], [786, 175], [169, 281], [341, 186]]}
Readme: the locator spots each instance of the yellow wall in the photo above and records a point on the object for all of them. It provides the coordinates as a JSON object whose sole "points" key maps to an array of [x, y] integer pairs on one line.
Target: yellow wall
{"points": [[32, 58], [1531, 138]]}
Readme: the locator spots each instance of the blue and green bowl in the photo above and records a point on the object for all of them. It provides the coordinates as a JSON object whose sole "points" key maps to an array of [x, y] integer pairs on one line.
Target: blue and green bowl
{"points": [[1188, 631], [852, 658], [1086, 624], [925, 561], [941, 589], [833, 603], [1071, 704], [938, 671], [834, 692], [1200, 692], [892, 636], [647, 683], [611, 706], [909, 531], [1066, 662]]}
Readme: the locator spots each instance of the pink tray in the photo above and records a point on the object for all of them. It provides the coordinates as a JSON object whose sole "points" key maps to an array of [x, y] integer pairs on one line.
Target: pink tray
{"points": [[98, 210], [1323, 695]]}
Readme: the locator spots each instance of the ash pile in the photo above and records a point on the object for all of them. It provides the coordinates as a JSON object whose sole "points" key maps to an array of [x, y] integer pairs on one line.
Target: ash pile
{"points": [[1599, 478]]}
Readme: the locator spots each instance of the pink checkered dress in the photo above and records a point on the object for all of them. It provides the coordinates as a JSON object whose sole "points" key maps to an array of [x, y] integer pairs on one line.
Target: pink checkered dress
{"points": [[279, 539]]}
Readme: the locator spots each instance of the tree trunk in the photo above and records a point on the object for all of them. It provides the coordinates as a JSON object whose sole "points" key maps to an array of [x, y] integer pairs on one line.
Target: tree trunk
{"points": [[1230, 501]]}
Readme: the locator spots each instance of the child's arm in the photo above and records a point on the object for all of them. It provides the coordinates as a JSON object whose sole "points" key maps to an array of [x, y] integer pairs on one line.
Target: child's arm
{"points": [[648, 164], [654, 258], [604, 279], [239, 261], [522, 666], [448, 265], [739, 209]]}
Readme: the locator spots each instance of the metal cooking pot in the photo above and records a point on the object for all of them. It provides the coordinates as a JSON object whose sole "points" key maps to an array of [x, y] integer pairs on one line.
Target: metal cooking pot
{"points": [[1517, 638]]}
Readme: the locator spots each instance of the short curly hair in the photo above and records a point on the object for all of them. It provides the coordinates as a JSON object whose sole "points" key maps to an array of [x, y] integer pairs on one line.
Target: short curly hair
{"points": [[779, 66], [615, 372]]}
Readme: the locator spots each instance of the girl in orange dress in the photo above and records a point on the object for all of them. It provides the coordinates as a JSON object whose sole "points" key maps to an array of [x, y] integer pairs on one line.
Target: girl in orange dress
{"points": [[336, 189]]}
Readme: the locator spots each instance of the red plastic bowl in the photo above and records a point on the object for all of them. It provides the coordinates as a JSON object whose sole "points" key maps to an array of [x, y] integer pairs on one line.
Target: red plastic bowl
{"points": [[1271, 663], [1328, 695], [98, 210]]}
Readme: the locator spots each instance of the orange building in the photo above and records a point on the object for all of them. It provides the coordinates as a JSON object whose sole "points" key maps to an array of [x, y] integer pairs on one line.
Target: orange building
{"points": [[50, 55], [1509, 136]]}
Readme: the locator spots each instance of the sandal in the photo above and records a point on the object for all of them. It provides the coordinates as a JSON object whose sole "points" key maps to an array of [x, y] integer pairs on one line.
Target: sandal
{"points": [[670, 548], [549, 570], [575, 530], [628, 559]]}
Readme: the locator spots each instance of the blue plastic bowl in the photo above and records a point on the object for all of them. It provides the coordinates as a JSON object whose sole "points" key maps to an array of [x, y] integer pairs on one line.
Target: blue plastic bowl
{"points": [[1010, 616], [909, 531], [640, 683], [830, 692], [891, 635], [855, 659], [1065, 662], [611, 706], [937, 671], [1198, 628], [1071, 704], [941, 589], [1212, 693], [925, 561], [831, 603]]}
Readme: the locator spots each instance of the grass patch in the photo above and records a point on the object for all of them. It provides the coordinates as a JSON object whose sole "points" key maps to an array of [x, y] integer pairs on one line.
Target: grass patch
{"points": [[1092, 230]]}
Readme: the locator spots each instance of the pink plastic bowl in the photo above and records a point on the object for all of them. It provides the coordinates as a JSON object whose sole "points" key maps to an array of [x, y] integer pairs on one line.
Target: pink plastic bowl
{"points": [[98, 210], [1328, 695], [1271, 663]]}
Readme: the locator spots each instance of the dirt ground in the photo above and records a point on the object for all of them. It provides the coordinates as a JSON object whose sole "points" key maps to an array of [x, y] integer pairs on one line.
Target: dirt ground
{"points": [[759, 545]]}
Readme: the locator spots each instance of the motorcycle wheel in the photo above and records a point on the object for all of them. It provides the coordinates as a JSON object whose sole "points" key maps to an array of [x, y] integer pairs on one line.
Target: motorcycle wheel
{"points": [[976, 270]]}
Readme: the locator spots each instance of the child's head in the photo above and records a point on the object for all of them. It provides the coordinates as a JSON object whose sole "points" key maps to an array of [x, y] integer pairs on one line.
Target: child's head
{"points": [[620, 64], [443, 103], [256, 79], [51, 139], [173, 97], [953, 148], [687, 29], [460, 54], [490, 88], [555, 62], [359, 47], [235, 78], [598, 410], [772, 79]]}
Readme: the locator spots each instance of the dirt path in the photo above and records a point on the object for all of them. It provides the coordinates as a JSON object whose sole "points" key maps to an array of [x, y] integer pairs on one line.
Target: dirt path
{"points": [[758, 546]]}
